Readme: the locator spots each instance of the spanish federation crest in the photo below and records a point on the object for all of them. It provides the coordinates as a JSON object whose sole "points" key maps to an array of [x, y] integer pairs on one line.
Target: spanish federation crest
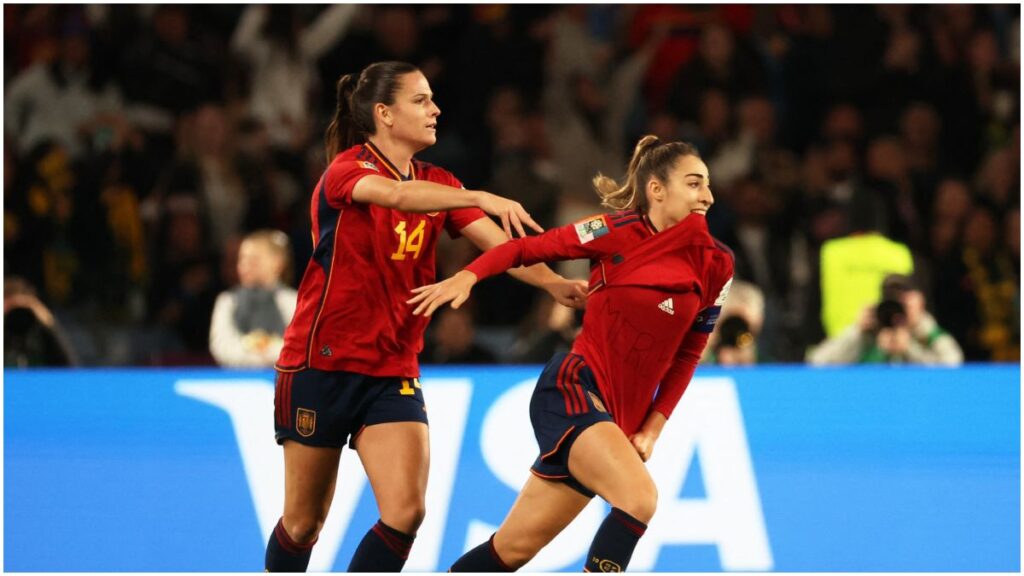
{"points": [[305, 422]]}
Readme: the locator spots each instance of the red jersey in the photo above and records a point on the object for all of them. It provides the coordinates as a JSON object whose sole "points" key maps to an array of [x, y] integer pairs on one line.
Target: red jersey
{"points": [[351, 313], [654, 299]]}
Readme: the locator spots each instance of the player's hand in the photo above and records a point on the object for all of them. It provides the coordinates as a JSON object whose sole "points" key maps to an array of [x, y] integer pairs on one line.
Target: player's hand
{"points": [[571, 293], [643, 442], [512, 213], [432, 296]]}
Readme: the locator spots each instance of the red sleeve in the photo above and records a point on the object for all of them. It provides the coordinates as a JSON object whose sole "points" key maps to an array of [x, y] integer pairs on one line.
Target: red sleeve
{"points": [[457, 219], [584, 239], [341, 179], [680, 373], [685, 364]]}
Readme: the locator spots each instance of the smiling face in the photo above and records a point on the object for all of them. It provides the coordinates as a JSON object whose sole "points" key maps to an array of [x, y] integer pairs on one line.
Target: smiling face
{"points": [[413, 115], [687, 191]]}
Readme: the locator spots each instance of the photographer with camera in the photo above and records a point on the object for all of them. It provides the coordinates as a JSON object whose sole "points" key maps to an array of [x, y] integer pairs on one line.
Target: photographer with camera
{"points": [[897, 330]]}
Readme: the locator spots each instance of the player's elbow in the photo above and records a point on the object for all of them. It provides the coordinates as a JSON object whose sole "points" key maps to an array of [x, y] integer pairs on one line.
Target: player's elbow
{"points": [[397, 197], [380, 192]]}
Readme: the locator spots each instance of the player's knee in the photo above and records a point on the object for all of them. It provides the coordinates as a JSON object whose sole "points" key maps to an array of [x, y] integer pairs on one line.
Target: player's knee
{"points": [[407, 516], [303, 528], [640, 501]]}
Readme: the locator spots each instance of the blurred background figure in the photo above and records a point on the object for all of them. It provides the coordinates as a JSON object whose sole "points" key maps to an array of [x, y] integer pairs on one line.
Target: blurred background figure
{"points": [[281, 52], [249, 320], [735, 339], [454, 341], [736, 345], [549, 329], [853, 267], [32, 337], [896, 330], [977, 287]]}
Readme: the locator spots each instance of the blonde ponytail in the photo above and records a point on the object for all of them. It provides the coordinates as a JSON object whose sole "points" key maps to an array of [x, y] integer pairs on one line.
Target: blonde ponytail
{"points": [[651, 157]]}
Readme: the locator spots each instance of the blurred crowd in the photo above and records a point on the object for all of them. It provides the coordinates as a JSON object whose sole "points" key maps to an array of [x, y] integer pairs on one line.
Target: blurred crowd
{"points": [[144, 143]]}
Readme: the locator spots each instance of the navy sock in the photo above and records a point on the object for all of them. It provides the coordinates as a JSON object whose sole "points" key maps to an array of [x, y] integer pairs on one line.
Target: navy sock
{"points": [[383, 549], [284, 554], [483, 558], [614, 543]]}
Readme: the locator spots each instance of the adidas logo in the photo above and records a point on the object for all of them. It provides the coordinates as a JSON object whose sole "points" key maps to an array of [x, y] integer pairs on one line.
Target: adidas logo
{"points": [[667, 307]]}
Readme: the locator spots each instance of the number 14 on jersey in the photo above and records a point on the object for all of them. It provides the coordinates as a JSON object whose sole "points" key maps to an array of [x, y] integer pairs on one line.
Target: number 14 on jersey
{"points": [[409, 242]]}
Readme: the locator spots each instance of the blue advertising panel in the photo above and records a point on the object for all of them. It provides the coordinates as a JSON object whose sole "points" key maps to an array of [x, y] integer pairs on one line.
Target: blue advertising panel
{"points": [[767, 469]]}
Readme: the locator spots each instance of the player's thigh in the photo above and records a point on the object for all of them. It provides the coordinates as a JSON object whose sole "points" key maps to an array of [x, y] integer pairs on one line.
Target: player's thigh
{"points": [[396, 457], [310, 476], [541, 511], [603, 460]]}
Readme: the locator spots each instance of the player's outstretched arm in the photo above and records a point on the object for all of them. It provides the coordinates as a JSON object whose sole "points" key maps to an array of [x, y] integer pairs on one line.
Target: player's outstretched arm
{"points": [[432, 296], [485, 235], [426, 196]]}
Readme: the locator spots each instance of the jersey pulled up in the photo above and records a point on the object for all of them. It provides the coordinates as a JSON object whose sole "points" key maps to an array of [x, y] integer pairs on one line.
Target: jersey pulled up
{"points": [[351, 313], [654, 299]]}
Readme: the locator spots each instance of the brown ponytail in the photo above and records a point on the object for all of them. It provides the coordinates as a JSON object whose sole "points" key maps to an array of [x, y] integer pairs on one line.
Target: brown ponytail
{"points": [[651, 158], [353, 118], [341, 133]]}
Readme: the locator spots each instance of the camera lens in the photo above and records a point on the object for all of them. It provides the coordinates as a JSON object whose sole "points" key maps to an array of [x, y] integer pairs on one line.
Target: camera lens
{"points": [[890, 313]]}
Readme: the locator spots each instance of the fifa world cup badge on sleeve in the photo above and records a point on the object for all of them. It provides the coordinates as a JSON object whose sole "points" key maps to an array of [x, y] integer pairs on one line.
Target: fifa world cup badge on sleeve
{"points": [[591, 229]]}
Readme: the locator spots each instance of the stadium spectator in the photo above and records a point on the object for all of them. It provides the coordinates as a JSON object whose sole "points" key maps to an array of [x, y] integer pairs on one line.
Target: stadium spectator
{"points": [[184, 282], [248, 322], [887, 175], [853, 266], [736, 344], [549, 329], [977, 291], [66, 101], [720, 65], [455, 341], [739, 327], [281, 54], [32, 336], [896, 330]]}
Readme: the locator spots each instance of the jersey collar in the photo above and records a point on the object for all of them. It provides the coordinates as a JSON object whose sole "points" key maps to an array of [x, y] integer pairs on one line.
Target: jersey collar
{"points": [[395, 172]]}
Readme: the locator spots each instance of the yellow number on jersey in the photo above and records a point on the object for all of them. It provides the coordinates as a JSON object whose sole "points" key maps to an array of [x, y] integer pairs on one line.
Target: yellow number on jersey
{"points": [[407, 390], [409, 243]]}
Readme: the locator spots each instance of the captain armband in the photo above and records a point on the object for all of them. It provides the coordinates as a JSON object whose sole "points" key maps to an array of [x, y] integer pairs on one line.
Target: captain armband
{"points": [[706, 319]]}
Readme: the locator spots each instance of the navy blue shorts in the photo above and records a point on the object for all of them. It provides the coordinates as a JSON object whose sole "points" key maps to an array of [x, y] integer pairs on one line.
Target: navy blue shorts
{"points": [[320, 408], [565, 402]]}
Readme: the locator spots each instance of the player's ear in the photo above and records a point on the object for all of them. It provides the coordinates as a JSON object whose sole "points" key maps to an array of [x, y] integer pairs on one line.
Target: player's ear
{"points": [[382, 112], [655, 190]]}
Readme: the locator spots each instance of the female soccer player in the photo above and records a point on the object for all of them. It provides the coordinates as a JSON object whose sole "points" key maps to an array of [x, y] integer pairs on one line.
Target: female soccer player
{"points": [[348, 369], [657, 283]]}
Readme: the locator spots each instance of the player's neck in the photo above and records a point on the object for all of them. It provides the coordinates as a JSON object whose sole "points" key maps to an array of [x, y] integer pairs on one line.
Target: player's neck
{"points": [[398, 153], [660, 220]]}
